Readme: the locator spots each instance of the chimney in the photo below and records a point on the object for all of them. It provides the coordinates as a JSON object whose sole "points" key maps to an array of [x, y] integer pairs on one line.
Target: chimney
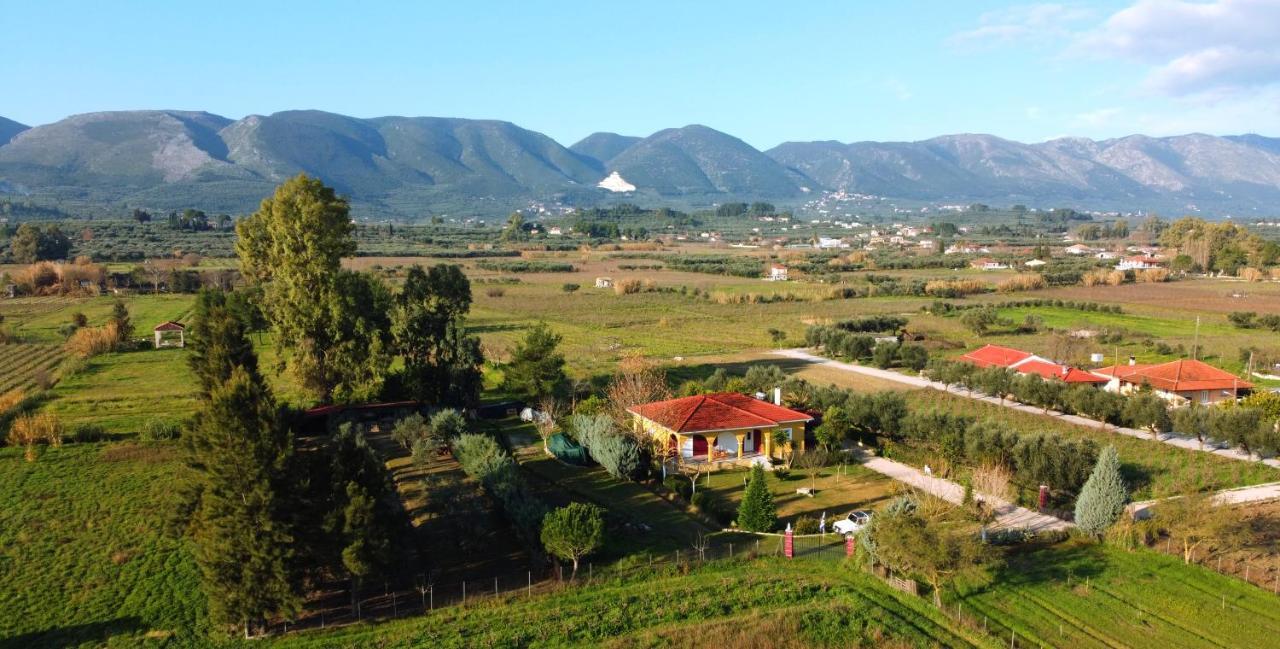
{"points": [[1133, 360], [777, 396]]}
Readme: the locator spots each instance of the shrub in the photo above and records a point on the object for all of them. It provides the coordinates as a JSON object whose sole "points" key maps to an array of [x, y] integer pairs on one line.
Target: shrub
{"points": [[495, 291], [156, 430], [91, 341], [29, 430], [409, 430], [86, 433], [679, 486], [627, 286], [806, 525], [1153, 275], [570, 287], [1022, 282]]}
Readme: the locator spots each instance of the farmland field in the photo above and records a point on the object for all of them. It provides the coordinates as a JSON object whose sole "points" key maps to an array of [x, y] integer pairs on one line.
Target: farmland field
{"points": [[83, 559], [27, 365]]}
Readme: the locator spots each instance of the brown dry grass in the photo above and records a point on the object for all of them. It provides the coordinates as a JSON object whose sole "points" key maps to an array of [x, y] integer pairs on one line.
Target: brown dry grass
{"points": [[1022, 282], [91, 341]]}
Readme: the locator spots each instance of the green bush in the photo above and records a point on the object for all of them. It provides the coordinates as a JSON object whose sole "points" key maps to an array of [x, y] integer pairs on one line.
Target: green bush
{"points": [[679, 486], [156, 430], [806, 525], [84, 433]]}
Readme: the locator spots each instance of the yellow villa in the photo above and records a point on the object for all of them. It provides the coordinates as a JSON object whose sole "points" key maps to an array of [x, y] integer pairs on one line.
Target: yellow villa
{"points": [[718, 427]]}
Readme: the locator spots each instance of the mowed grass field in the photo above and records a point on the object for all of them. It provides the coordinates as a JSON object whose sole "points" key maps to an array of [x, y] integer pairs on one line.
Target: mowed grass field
{"points": [[83, 559], [1080, 594], [757, 603]]}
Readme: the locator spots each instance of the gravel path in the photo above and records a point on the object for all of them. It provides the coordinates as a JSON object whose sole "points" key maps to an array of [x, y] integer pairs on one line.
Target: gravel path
{"points": [[1008, 516]]}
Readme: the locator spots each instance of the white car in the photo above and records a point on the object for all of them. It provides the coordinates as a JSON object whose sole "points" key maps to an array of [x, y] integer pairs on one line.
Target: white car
{"points": [[852, 523]]}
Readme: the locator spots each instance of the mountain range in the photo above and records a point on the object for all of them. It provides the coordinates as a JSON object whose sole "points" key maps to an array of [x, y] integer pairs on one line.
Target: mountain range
{"points": [[415, 166]]}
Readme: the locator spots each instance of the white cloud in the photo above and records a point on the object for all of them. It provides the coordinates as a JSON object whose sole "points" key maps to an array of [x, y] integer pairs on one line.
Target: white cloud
{"points": [[1021, 23], [1194, 48]]}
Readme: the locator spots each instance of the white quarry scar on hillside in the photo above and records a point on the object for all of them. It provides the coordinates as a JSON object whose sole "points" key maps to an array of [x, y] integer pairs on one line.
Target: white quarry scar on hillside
{"points": [[614, 182]]}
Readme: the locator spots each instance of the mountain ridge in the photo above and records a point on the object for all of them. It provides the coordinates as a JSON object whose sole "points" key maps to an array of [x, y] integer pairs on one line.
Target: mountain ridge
{"points": [[415, 165]]}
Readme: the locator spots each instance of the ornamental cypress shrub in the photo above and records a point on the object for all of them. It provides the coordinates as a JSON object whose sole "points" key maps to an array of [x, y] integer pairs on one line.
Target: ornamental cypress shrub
{"points": [[1103, 497], [757, 513]]}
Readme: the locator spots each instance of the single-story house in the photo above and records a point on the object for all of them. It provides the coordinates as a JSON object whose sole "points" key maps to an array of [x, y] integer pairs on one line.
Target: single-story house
{"points": [[777, 273], [1078, 249], [1034, 263], [986, 263], [720, 426], [1179, 382], [1138, 263], [604, 282], [1028, 363]]}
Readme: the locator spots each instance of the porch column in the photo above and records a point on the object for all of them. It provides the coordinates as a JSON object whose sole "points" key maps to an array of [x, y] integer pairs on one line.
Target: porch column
{"points": [[711, 446], [742, 438], [768, 442], [680, 446]]}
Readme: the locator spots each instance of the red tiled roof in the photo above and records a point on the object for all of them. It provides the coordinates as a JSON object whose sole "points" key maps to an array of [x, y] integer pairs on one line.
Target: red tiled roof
{"points": [[1055, 371], [1184, 375], [720, 411], [170, 325], [996, 355]]}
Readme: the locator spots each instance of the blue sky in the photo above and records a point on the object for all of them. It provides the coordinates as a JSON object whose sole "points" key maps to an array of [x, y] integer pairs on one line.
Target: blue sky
{"points": [[767, 72]]}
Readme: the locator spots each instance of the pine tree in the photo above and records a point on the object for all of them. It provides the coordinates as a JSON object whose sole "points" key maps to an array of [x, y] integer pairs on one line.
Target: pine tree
{"points": [[243, 544], [120, 318], [757, 512], [1103, 497]]}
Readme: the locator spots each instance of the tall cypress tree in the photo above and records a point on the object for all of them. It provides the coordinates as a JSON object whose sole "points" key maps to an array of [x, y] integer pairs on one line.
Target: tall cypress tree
{"points": [[243, 544], [757, 512], [218, 341], [1102, 499]]}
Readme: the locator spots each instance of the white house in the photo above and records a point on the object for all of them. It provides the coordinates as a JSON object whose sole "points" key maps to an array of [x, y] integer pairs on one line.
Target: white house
{"points": [[1138, 263], [1106, 254], [1078, 249], [1034, 263], [777, 273], [986, 263], [604, 282]]}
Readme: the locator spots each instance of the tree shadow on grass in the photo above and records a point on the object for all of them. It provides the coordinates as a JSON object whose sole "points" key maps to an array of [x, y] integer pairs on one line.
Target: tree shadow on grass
{"points": [[1137, 478], [1037, 564], [98, 633]]}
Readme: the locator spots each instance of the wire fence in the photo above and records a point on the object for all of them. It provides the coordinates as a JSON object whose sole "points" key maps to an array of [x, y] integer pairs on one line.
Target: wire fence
{"points": [[407, 596]]}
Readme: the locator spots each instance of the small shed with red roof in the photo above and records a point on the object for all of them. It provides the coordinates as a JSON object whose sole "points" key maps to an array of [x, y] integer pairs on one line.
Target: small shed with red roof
{"points": [[720, 426]]}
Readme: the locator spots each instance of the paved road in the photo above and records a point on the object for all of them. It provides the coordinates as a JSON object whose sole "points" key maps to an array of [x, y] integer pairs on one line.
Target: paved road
{"points": [[1189, 443], [1008, 516]]}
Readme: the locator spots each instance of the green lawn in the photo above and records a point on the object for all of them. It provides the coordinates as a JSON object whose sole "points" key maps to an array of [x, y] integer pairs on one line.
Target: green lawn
{"points": [[83, 561], [838, 491], [123, 391], [37, 319]]}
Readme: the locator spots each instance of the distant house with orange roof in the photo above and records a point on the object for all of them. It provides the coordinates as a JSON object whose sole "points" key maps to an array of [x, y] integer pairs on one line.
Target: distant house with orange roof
{"points": [[720, 426], [1028, 363], [1180, 382]]}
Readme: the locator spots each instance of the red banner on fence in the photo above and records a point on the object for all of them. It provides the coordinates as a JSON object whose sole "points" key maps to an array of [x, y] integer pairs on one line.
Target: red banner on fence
{"points": [[788, 543]]}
